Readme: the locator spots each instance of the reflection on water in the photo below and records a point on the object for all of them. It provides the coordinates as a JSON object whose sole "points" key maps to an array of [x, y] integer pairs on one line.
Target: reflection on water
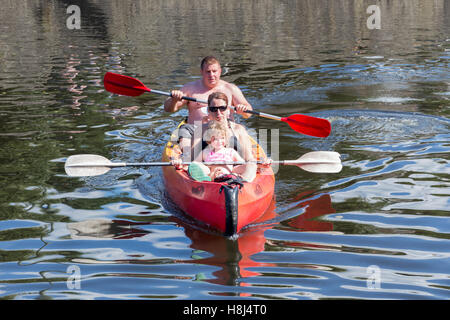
{"points": [[386, 93], [105, 229], [233, 257]]}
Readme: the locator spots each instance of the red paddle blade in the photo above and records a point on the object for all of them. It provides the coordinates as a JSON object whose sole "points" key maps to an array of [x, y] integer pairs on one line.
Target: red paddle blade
{"points": [[308, 125], [124, 85]]}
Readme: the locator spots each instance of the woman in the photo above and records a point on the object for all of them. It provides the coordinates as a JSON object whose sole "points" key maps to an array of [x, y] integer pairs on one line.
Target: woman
{"points": [[219, 111]]}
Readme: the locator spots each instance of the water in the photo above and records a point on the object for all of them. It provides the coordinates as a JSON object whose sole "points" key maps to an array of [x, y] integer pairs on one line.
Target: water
{"points": [[377, 230]]}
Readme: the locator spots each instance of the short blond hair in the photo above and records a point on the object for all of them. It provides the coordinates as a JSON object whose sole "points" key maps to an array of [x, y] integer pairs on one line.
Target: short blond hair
{"points": [[214, 129], [208, 60]]}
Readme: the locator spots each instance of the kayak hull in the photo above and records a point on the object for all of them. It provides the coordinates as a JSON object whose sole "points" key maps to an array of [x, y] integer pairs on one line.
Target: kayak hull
{"points": [[226, 209]]}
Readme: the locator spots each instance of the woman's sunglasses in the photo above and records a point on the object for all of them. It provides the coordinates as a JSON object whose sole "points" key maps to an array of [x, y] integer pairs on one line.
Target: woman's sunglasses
{"points": [[215, 109]]}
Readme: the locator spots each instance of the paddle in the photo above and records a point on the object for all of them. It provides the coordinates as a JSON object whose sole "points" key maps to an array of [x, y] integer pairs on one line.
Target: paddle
{"points": [[128, 86], [93, 165]]}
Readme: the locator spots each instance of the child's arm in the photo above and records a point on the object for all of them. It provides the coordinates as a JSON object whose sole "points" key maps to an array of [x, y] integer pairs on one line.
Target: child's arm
{"points": [[237, 157], [205, 153]]}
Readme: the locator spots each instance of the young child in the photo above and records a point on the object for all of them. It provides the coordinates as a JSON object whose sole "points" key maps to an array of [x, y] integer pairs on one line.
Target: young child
{"points": [[217, 151]]}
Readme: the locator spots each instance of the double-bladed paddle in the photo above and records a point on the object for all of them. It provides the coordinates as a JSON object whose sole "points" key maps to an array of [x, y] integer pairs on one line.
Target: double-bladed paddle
{"points": [[128, 86], [83, 165]]}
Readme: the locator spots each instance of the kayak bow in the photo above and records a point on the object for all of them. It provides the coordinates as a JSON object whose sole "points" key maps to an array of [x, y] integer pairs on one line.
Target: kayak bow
{"points": [[225, 208]]}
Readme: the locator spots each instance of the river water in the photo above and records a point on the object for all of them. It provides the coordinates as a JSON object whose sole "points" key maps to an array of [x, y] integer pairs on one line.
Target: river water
{"points": [[379, 229]]}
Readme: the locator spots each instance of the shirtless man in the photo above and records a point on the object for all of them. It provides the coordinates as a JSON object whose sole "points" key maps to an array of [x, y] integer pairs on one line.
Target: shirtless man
{"points": [[201, 89]]}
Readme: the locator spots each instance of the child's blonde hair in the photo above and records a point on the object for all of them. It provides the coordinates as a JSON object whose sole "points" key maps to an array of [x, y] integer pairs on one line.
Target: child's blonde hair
{"points": [[215, 129]]}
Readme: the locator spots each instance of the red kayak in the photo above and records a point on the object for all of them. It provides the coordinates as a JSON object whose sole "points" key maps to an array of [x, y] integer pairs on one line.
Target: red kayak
{"points": [[225, 208]]}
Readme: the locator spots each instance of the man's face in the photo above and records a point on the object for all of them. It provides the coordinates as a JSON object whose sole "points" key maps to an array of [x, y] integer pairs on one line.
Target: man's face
{"points": [[211, 74]]}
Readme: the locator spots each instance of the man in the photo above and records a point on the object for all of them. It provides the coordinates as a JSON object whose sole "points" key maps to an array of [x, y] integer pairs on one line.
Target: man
{"points": [[201, 89]]}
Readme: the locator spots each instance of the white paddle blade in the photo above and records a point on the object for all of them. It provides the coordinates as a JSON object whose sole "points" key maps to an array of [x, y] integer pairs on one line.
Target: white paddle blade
{"points": [[83, 165], [322, 167], [319, 162]]}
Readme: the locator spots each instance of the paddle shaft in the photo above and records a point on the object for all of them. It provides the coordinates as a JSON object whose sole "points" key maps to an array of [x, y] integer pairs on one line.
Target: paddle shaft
{"points": [[91, 165], [303, 124], [211, 163], [156, 164], [257, 113], [168, 94]]}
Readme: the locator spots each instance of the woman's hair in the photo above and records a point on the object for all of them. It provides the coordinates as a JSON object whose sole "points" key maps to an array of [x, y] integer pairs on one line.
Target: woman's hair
{"points": [[217, 95], [215, 129]]}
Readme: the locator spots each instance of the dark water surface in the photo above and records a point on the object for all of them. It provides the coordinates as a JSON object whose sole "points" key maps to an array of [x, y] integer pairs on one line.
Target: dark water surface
{"points": [[379, 229]]}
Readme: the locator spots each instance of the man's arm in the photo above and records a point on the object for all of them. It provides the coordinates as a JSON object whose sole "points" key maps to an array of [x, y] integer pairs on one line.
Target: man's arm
{"points": [[240, 102], [174, 103]]}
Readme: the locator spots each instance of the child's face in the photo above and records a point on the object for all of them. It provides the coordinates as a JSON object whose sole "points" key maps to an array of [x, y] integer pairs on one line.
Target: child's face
{"points": [[218, 141]]}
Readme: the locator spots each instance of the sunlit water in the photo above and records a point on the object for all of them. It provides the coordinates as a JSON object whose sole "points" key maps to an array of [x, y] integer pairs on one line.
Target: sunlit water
{"points": [[379, 229]]}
